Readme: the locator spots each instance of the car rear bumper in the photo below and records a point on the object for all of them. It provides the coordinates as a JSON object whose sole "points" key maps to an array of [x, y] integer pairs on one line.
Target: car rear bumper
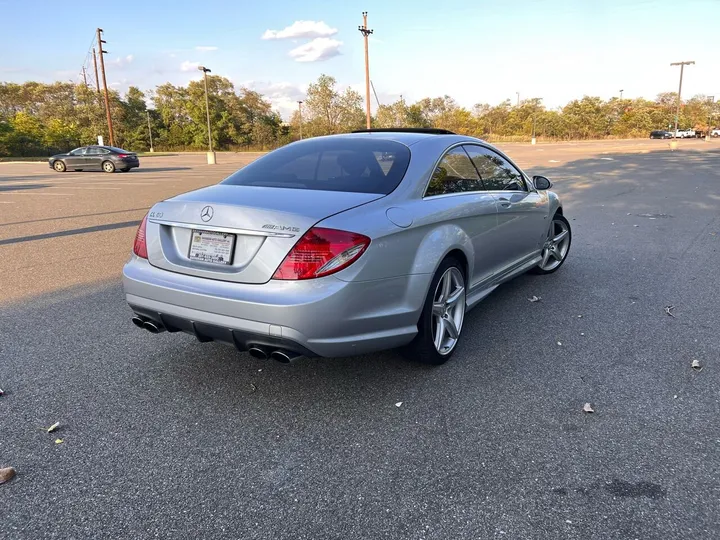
{"points": [[322, 317]]}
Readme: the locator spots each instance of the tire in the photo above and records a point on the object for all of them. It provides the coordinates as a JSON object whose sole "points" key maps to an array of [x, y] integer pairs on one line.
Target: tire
{"points": [[423, 348], [555, 251], [59, 166], [108, 166]]}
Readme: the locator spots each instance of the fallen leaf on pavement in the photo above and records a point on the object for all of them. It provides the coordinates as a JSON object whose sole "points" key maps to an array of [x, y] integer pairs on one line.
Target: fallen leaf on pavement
{"points": [[696, 365], [6, 474], [1, 392], [668, 310], [534, 299], [588, 408], [58, 441], [559, 343], [398, 404], [53, 427], [254, 388]]}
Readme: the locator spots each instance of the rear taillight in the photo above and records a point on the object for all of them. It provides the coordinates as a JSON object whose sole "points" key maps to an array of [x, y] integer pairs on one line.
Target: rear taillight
{"points": [[122, 155], [321, 252], [140, 246]]}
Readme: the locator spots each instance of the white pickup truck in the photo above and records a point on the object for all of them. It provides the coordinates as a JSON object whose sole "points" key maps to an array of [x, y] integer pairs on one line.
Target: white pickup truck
{"points": [[715, 133], [685, 133]]}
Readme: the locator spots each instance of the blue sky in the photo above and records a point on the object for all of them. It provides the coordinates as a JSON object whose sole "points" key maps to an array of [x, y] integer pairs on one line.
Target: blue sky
{"points": [[476, 51]]}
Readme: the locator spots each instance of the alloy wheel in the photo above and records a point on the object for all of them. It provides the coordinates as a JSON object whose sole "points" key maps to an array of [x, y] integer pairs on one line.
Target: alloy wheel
{"points": [[448, 310], [556, 246]]}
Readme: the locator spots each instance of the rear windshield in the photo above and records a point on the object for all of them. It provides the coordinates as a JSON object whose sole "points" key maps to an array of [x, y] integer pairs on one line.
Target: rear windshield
{"points": [[360, 165], [118, 150]]}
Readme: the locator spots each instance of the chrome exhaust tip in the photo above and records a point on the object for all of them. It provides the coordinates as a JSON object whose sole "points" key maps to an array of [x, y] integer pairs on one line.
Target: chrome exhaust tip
{"points": [[284, 357], [137, 321], [257, 352], [153, 327]]}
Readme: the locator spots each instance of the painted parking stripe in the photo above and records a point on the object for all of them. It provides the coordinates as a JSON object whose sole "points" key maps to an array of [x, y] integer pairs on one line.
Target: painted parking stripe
{"points": [[81, 187], [41, 194]]}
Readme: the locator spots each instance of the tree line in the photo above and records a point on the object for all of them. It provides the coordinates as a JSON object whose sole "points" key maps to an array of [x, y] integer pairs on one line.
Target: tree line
{"points": [[39, 119]]}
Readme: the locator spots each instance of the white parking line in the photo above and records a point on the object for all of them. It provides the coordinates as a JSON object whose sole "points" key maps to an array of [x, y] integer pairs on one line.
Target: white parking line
{"points": [[7, 202], [47, 194], [81, 187]]}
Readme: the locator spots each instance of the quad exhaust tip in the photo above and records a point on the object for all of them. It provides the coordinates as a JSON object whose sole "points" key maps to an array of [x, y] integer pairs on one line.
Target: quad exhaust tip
{"points": [[152, 327], [137, 321], [258, 352], [284, 357], [147, 324]]}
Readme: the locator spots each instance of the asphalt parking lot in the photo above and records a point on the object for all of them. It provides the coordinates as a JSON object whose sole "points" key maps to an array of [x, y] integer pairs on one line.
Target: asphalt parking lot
{"points": [[164, 437]]}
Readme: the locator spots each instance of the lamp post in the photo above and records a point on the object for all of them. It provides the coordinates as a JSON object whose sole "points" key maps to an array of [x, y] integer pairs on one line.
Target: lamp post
{"points": [[210, 154], [149, 130], [711, 100], [300, 114], [621, 91]]}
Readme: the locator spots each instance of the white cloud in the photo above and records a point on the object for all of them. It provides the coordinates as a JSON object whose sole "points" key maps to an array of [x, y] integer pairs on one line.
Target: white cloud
{"points": [[316, 50], [282, 95], [203, 48], [189, 66], [301, 29], [122, 62]]}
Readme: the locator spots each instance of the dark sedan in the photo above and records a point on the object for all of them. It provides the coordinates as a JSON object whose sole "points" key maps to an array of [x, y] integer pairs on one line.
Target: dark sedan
{"points": [[661, 134], [102, 158]]}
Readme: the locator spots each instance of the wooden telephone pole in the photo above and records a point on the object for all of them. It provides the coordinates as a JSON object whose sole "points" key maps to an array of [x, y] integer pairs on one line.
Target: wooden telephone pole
{"points": [[97, 79], [365, 32], [107, 99]]}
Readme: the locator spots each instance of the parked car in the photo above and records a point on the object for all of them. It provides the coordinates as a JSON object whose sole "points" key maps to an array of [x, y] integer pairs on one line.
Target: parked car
{"points": [[685, 133], [715, 133], [316, 249], [661, 134], [102, 158]]}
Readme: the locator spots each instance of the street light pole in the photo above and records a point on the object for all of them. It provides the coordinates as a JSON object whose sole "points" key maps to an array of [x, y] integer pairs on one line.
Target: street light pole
{"points": [[677, 110], [711, 100], [210, 154], [149, 130], [621, 91], [518, 98], [300, 114]]}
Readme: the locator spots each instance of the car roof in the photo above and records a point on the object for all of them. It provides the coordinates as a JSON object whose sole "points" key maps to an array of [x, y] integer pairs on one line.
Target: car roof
{"points": [[408, 138]]}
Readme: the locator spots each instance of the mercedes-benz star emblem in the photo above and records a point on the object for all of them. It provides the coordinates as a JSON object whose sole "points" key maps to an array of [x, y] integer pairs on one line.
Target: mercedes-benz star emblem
{"points": [[206, 214]]}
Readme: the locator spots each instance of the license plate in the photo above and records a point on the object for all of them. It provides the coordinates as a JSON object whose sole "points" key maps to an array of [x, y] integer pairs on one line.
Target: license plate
{"points": [[212, 247]]}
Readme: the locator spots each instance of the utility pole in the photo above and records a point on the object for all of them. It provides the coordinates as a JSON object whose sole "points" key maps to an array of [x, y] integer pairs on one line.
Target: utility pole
{"points": [[300, 113], [621, 91], [84, 77], [107, 99], [211, 154], [677, 110], [97, 79], [518, 98], [365, 32], [149, 130]]}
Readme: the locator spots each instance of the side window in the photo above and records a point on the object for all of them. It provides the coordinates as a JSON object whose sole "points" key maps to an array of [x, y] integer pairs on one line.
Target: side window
{"points": [[496, 173], [454, 174], [92, 152], [78, 152]]}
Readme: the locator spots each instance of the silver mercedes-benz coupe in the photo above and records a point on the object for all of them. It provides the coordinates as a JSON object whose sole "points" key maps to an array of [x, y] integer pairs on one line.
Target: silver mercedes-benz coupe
{"points": [[346, 244]]}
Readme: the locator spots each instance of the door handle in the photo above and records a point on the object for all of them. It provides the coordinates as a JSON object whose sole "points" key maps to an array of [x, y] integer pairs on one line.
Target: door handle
{"points": [[505, 203]]}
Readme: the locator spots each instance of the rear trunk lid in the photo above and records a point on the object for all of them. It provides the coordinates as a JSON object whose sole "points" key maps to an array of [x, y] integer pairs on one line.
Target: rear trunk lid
{"points": [[238, 233]]}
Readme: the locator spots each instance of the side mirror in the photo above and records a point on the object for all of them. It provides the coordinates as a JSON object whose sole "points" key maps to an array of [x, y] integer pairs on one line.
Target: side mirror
{"points": [[542, 183]]}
